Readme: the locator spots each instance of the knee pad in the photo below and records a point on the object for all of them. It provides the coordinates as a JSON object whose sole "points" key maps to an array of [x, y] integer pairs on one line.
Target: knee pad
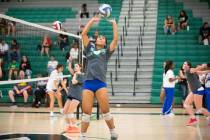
{"points": [[186, 106], [107, 116], [85, 118]]}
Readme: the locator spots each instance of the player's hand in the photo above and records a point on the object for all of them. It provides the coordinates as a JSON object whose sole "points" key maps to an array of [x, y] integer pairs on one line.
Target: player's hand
{"points": [[113, 21], [96, 18]]}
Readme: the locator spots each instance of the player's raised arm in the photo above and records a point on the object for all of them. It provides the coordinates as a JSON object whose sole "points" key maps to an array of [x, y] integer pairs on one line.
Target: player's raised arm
{"points": [[87, 28], [113, 44]]}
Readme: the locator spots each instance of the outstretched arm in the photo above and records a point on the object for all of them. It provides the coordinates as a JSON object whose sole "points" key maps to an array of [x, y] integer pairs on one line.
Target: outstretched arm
{"points": [[113, 44], [87, 28]]}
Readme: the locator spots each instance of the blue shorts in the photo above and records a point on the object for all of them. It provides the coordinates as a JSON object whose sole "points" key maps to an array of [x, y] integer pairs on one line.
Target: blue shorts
{"points": [[93, 85], [199, 92]]}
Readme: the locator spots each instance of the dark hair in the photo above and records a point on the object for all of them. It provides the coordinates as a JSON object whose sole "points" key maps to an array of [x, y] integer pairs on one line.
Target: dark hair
{"points": [[182, 11], [168, 66], [189, 64], [208, 64], [59, 66], [205, 23], [14, 40]]}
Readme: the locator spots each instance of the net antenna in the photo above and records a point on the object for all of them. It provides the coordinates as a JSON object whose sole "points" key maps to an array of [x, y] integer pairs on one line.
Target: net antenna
{"points": [[48, 29]]}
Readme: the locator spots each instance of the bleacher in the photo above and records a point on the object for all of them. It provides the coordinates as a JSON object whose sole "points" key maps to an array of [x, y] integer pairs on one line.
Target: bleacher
{"points": [[179, 48], [40, 15]]}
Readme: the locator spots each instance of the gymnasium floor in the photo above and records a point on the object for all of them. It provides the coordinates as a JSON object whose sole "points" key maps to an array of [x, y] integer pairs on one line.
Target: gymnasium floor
{"points": [[131, 124]]}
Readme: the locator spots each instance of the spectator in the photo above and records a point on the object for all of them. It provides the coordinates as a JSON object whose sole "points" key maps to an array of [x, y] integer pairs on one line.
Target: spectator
{"points": [[95, 36], [11, 28], [4, 48], [39, 92], [183, 83], [3, 26], [169, 25], [183, 20], [52, 64], [25, 66], [14, 52], [20, 89], [204, 37], [46, 44], [84, 11], [74, 52], [13, 69], [63, 41]]}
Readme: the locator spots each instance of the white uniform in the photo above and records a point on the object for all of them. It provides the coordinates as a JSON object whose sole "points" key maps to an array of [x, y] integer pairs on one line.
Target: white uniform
{"points": [[166, 76], [54, 76]]}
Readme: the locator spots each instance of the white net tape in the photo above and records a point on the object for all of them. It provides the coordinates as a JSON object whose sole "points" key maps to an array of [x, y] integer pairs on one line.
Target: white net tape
{"points": [[30, 80]]}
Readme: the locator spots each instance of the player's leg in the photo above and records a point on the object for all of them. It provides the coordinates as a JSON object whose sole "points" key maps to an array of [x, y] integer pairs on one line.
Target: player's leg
{"points": [[87, 105], [103, 100], [52, 100]]}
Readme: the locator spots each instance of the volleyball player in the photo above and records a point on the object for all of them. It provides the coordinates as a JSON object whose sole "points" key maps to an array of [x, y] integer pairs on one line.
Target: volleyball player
{"points": [[196, 94], [53, 88], [74, 97], [169, 81], [97, 55]]}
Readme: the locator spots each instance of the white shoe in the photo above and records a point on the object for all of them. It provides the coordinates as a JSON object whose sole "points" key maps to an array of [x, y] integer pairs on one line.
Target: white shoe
{"points": [[52, 114], [171, 115], [83, 137]]}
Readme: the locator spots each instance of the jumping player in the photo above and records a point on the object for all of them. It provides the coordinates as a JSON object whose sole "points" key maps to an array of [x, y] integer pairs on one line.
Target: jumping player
{"points": [[196, 94], [97, 55]]}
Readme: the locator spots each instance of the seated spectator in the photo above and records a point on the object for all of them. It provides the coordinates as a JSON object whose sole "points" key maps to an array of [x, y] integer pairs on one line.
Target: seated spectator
{"points": [[183, 20], [46, 44], [52, 64], [3, 26], [95, 36], [63, 41], [169, 25], [13, 69], [74, 52], [14, 51], [39, 92], [11, 28], [25, 66], [20, 89], [4, 48], [204, 37], [84, 11]]}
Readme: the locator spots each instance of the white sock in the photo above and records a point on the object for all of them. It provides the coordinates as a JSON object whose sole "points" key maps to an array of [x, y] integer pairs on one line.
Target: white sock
{"points": [[83, 134], [112, 132]]}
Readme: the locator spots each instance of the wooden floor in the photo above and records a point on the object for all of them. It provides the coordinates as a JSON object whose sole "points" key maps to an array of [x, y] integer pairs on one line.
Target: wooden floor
{"points": [[131, 124]]}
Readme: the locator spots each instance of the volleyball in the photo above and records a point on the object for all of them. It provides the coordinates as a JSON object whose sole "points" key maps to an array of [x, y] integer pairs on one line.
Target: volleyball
{"points": [[105, 10], [56, 25]]}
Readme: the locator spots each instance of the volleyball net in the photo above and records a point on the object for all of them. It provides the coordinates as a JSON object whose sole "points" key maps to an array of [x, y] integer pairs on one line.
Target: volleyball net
{"points": [[31, 40]]}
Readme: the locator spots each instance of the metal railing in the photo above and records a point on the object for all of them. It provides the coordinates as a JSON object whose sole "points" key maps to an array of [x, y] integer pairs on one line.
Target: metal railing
{"points": [[112, 86], [138, 54]]}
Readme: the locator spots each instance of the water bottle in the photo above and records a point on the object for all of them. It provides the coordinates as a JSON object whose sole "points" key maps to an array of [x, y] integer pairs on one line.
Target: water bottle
{"points": [[188, 28]]}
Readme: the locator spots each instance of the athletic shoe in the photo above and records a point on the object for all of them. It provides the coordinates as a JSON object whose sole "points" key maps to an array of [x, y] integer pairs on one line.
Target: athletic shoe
{"points": [[52, 114], [72, 129], [171, 115], [61, 111], [192, 121], [114, 136], [83, 137]]}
